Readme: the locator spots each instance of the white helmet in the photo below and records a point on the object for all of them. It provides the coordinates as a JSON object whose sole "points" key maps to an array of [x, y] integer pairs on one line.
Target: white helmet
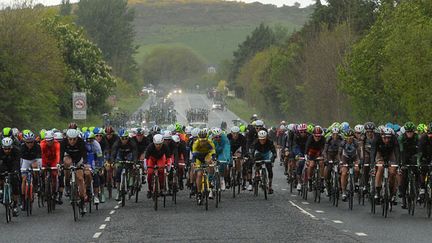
{"points": [[388, 132], [282, 127], [7, 142], [171, 128], [72, 133], [335, 130], [216, 131], [188, 130], [235, 129], [167, 135], [291, 127], [15, 132], [176, 138], [49, 136], [359, 128], [157, 139], [262, 134], [195, 131], [259, 123], [57, 136], [402, 130]]}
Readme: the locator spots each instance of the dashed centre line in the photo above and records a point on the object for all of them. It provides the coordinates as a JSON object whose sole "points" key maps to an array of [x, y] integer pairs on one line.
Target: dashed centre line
{"points": [[360, 234], [302, 210], [102, 226], [96, 235]]}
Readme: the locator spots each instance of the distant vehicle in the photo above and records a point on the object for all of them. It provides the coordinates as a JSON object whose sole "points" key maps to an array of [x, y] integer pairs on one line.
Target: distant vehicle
{"points": [[199, 125], [177, 91], [148, 90], [218, 105]]}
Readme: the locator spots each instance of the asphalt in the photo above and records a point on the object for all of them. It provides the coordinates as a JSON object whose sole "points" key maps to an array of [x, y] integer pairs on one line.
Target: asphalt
{"points": [[282, 218]]}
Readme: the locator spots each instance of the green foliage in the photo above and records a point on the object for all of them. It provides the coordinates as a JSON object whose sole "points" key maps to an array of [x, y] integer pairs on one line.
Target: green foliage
{"points": [[172, 65], [109, 23], [32, 71], [86, 69], [65, 8]]}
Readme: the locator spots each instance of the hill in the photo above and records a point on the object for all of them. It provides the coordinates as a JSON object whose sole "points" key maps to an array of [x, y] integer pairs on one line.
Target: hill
{"points": [[212, 28]]}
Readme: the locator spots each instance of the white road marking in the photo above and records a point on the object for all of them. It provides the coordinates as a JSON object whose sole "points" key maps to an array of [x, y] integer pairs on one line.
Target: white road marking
{"points": [[345, 230], [96, 235], [107, 219], [302, 210], [102, 226], [319, 211], [112, 212], [293, 195], [284, 189], [337, 221], [119, 202], [305, 203], [116, 207], [361, 234]]}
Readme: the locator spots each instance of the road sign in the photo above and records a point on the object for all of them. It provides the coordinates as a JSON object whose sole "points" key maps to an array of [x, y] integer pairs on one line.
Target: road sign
{"points": [[79, 105]]}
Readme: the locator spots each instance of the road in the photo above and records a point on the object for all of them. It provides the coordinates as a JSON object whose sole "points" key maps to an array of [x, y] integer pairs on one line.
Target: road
{"points": [[282, 218]]}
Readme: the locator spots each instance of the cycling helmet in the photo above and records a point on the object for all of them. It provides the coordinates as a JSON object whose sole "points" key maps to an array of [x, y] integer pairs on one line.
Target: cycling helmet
{"points": [[262, 134], [155, 129], [202, 134], [88, 136], [73, 125], [134, 130], [167, 135], [123, 133], [109, 130], [387, 132], [72, 133], [242, 128], [29, 136], [140, 131], [396, 127], [216, 131], [349, 133], [254, 117], [15, 132], [283, 123], [85, 129], [158, 139], [235, 129], [310, 128], [421, 128], [317, 131], [345, 126], [369, 126], [335, 130], [7, 142], [380, 128], [283, 128], [58, 136], [49, 136], [178, 127], [359, 128], [389, 125], [195, 132], [188, 130], [171, 128], [259, 123], [291, 127], [7, 132], [402, 130], [301, 127], [409, 127], [176, 138], [98, 130]]}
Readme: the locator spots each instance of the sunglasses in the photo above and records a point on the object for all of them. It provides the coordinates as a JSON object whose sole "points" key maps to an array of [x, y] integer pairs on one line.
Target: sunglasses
{"points": [[158, 144], [124, 138], [302, 131], [217, 137], [72, 139], [7, 148], [29, 142], [98, 135]]}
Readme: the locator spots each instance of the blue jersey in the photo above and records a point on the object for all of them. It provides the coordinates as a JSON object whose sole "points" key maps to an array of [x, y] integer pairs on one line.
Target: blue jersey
{"points": [[94, 154], [223, 148]]}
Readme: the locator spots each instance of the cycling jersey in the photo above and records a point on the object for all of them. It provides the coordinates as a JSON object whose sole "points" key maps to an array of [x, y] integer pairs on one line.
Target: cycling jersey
{"points": [[201, 152], [94, 155], [223, 148], [30, 155], [331, 148], [385, 152], [124, 152], [141, 146], [50, 154], [77, 152], [299, 145], [349, 152], [237, 144], [425, 149], [314, 148], [151, 151], [11, 163], [408, 148], [267, 150]]}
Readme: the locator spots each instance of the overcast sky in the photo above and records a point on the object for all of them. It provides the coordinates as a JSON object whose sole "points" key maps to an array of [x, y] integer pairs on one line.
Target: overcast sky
{"points": [[279, 3]]}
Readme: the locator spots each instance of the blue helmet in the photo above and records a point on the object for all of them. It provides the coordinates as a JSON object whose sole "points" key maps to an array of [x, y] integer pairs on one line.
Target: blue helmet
{"points": [[389, 125], [123, 133], [88, 135], [345, 127], [396, 127]]}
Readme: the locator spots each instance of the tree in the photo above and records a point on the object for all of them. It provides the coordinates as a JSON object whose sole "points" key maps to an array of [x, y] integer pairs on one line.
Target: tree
{"points": [[109, 23], [65, 8], [86, 69], [171, 65]]}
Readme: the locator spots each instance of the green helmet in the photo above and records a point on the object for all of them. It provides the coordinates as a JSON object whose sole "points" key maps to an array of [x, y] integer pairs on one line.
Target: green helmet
{"points": [[84, 129], [310, 128], [42, 133], [91, 129], [178, 127], [409, 127], [421, 128], [7, 132], [242, 128]]}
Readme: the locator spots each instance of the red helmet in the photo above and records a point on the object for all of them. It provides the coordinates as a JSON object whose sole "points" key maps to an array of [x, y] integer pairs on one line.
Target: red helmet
{"points": [[73, 125], [317, 131], [301, 127]]}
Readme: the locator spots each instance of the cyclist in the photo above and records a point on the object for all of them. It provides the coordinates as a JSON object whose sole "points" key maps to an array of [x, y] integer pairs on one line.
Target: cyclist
{"points": [[238, 148], [367, 146], [123, 150], [30, 158], [179, 155], [223, 153], [93, 164], [73, 152], [331, 153], [264, 149], [50, 150], [385, 148], [349, 154], [111, 139], [191, 170], [408, 150], [299, 149], [424, 158], [287, 142], [203, 151], [156, 154], [314, 149], [142, 142], [10, 162]]}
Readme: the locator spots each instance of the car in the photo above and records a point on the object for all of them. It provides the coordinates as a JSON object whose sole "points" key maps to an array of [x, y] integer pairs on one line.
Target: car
{"points": [[148, 90], [177, 91], [218, 106]]}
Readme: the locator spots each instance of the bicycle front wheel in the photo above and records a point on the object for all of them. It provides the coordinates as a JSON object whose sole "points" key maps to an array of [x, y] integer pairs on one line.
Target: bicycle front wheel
{"points": [[155, 182], [264, 182]]}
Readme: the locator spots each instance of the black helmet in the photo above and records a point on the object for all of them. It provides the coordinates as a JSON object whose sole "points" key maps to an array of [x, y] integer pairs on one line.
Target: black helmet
{"points": [[369, 126], [349, 133], [202, 134]]}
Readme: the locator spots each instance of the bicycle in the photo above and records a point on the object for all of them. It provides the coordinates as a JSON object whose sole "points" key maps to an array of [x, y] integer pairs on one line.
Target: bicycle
{"points": [[317, 181], [137, 180], [49, 189], [386, 204], [412, 189], [205, 184], [428, 191], [28, 190], [236, 179], [362, 184], [372, 191], [174, 183], [304, 179], [76, 203], [335, 192], [350, 185], [260, 179], [124, 179], [7, 195], [156, 190]]}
